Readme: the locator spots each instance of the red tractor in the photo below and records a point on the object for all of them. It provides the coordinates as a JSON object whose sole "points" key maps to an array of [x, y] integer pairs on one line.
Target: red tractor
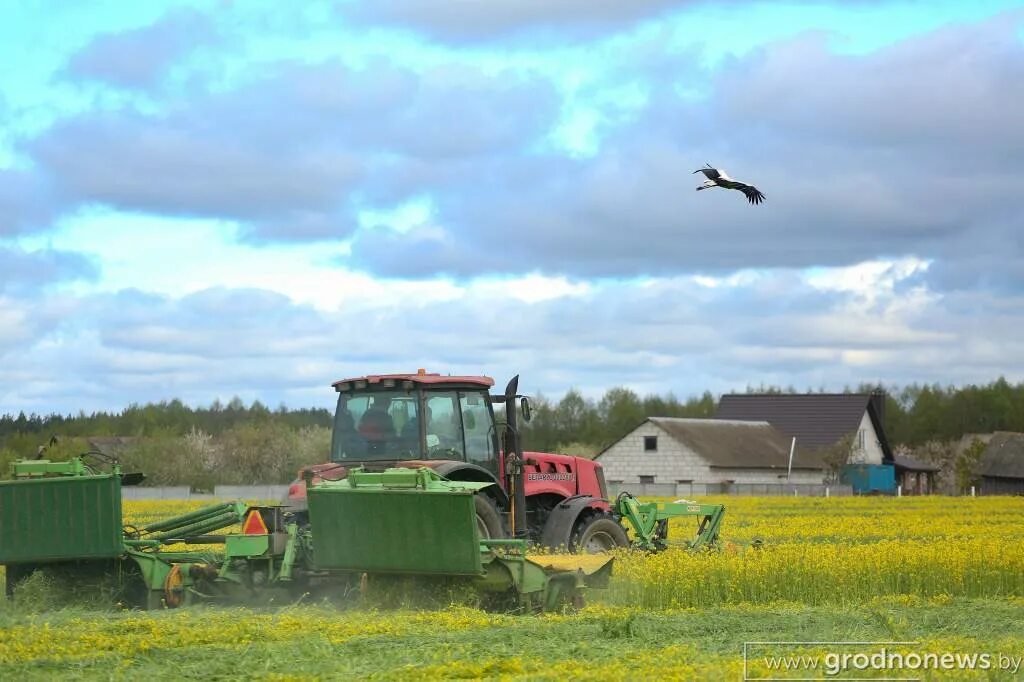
{"points": [[447, 423]]}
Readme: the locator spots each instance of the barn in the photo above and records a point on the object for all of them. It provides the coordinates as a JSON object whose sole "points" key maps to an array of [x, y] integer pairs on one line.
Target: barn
{"points": [[1000, 468], [671, 456]]}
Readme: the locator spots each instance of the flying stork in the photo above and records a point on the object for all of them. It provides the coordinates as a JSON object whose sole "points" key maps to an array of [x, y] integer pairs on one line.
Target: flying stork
{"points": [[716, 177]]}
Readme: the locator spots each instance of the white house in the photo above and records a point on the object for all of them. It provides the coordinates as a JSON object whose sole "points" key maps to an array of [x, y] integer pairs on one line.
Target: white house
{"points": [[819, 421], [705, 455]]}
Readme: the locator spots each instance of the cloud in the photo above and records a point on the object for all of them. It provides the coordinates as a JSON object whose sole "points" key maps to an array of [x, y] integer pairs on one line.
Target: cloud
{"points": [[29, 308], [292, 154], [22, 269], [26, 202], [959, 86], [677, 334], [139, 58], [910, 150], [461, 21]]}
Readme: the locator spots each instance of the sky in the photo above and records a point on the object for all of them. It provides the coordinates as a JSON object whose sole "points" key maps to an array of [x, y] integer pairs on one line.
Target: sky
{"points": [[207, 199]]}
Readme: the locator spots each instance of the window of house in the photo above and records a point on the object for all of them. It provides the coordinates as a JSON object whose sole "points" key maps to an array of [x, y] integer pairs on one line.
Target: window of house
{"points": [[650, 443], [646, 479], [859, 440]]}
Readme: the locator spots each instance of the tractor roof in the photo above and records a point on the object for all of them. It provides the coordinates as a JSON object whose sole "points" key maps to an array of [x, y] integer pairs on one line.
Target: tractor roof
{"points": [[420, 377]]}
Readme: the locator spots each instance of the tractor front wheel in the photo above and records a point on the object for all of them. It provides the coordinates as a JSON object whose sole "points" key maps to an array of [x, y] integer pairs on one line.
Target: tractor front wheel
{"points": [[488, 520], [597, 533]]}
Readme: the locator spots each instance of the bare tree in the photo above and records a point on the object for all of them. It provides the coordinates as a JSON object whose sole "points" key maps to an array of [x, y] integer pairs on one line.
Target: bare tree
{"points": [[837, 456]]}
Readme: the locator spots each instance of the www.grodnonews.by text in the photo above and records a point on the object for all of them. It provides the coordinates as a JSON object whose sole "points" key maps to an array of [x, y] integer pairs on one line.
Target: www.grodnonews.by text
{"points": [[901, 662]]}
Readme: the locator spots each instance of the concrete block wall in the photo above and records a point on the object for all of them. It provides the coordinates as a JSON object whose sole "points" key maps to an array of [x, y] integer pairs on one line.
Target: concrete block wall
{"points": [[251, 492], [626, 460], [696, 490], [769, 476], [176, 492], [248, 493]]}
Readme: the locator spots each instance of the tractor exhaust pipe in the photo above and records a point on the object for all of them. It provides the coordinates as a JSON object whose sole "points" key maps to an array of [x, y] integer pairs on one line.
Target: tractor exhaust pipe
{"points": [[515, 480]]}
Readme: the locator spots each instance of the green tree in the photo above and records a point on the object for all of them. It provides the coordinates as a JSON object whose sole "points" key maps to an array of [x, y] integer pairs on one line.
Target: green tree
{"points": [[967, 465], [620, 410]]}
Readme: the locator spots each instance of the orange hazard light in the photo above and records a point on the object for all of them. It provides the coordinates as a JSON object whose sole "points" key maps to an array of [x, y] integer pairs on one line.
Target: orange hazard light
{"points": [[254, 524]]}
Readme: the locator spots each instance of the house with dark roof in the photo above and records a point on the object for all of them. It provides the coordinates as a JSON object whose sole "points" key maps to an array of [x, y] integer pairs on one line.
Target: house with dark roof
{"points": [[1000, 468], [707, 455], [821, 421], [114, 446]]}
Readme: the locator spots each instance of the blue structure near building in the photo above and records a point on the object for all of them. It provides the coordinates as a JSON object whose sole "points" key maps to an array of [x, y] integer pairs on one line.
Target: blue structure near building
{"points": [[870, 478]]}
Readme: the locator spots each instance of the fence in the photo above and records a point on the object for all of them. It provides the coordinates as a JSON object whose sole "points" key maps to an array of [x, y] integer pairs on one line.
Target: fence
{"points": [[759, 489], [249, 493], [277, 492]]}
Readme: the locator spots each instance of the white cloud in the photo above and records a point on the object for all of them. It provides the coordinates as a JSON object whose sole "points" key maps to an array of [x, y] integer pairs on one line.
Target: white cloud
{"points": [[102, 350], [869, 278]]}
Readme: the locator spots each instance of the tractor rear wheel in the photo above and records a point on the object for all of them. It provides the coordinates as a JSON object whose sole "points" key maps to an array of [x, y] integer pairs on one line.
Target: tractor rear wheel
{"points": [[597, 533], [488, 520]]}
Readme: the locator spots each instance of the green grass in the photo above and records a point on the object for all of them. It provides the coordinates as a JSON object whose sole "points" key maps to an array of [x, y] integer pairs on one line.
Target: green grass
{"points": [[594, 643]]}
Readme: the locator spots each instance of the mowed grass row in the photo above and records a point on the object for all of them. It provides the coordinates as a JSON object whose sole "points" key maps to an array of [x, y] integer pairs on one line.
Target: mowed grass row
{"points": [[597, 643]]}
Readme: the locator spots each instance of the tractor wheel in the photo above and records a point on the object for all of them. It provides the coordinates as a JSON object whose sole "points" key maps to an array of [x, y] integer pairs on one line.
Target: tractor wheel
{"points": [[488, 520], [597, 533]]}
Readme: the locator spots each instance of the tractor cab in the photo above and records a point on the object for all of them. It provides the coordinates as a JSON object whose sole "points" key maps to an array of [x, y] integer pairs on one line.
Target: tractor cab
{"points": [[413, 417]]}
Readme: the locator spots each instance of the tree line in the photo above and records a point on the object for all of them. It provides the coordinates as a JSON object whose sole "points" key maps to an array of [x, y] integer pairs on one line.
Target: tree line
{"points": [[238, 443], [175, 444]]}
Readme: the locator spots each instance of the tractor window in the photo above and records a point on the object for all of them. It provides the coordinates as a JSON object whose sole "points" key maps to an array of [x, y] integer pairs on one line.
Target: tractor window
{"points": [[444, 426], [375, 425], [479, 427]]}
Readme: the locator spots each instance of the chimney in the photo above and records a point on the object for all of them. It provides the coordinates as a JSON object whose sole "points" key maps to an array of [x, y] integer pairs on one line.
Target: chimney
{"points": [[877, 401]]}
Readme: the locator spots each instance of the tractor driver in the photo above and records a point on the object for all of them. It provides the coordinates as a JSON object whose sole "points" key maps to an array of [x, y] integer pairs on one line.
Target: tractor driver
{"points": [[377, 427], [411, 431], [439, 432]]}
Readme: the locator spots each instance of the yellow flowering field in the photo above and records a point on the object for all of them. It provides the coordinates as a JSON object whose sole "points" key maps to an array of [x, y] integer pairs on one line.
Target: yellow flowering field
{"points": [[945, 572], [844, 550], [868, 519]]}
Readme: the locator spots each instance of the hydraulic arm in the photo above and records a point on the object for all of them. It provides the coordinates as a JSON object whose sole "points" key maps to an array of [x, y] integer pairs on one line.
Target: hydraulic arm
{"points": [[649, 521]]}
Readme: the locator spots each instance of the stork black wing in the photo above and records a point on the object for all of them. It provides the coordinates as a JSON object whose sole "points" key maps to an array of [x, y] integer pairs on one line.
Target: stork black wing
{"points": [[709, 172], [753, 194]]}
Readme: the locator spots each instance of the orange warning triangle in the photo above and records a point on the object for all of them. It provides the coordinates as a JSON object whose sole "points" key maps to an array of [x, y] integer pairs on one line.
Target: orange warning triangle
{"points": [[254, 524]]}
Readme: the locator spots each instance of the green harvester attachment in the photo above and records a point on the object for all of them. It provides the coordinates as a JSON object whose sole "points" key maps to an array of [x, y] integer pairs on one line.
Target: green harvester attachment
{"points": [[414, 522], [59, 511], [66, 517]]}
